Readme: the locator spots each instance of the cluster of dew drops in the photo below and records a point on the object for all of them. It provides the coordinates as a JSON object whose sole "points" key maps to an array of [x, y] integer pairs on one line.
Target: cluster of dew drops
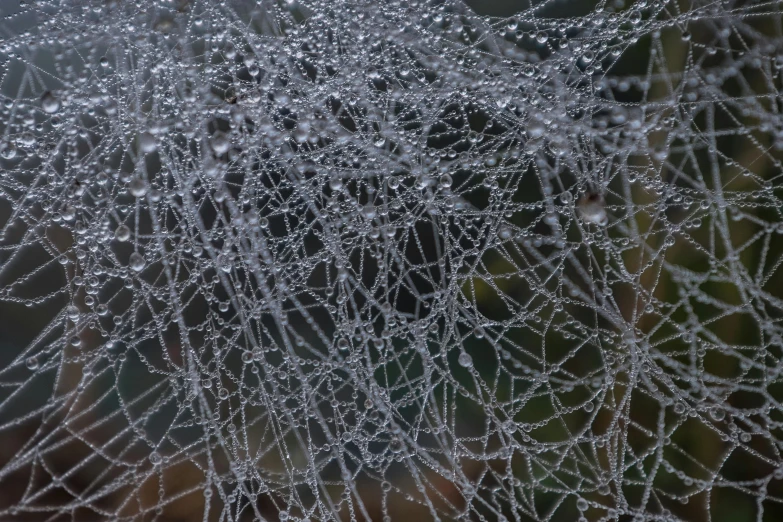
{"points": [[348, 235]]}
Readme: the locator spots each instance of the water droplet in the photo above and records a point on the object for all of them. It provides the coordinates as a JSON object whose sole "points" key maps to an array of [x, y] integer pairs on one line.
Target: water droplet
{"points": [[445, 181], [72, 311], [592, 209], [122, 233], [8, 151], [368, 211], [69, 213], [27, 139], [136, 262], [137, 187], [536, 130], [32, 363], [465, 360], [224, 262], [220, 143], [147, 142], [50, 103], [396, 445]]}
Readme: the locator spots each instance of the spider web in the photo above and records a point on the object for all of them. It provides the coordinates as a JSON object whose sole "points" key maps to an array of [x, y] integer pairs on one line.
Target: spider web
{"points": [[366, 260]]}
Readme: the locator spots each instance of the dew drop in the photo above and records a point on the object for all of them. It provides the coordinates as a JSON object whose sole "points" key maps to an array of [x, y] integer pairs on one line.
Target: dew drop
{"points": [[136, 262], [72, 311], [137, 187], [50, 103], [32, 363], [592, 209], [147, 142], [368, 211], [8, 151], [224, 262], [445, 181], [122, 233], [220, 143]]}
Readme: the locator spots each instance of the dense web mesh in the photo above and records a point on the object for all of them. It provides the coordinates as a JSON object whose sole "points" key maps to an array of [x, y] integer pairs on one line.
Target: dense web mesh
{"points": [[388, 260]]}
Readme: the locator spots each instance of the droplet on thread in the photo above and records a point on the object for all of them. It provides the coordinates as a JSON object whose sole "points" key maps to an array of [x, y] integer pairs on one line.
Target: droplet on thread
{"points": [[136, 262], [147, 142], [592, 209], [50, 103], [137, 187], [368, 211], [122, 233], [32, 363], [220, 143], [72, 311]]}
